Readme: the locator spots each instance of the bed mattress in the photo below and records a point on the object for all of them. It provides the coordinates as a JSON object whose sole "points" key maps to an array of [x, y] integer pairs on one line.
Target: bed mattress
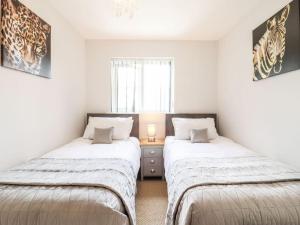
{"points": [[82, 148], [221, 147]]}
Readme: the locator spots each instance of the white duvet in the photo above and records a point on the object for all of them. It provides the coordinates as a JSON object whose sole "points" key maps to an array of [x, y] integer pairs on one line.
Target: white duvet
{"points": [[83, 149], [220, 147]]}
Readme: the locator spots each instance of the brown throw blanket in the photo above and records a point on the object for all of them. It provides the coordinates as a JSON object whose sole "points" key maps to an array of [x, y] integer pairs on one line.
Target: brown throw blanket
{"points": [[235, 191], [68, 192]]}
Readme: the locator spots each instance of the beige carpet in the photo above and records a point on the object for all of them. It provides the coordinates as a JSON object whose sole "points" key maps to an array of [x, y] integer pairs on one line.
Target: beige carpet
{"points": [[152, 202]]}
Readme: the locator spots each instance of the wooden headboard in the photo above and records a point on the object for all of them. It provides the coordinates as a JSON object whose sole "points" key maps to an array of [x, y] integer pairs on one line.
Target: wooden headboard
{"points": [[135, 117], [169, 124]]}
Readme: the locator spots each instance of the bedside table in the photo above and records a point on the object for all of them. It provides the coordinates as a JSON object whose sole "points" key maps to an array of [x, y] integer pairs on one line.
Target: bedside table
{"points": [[152, 163]]}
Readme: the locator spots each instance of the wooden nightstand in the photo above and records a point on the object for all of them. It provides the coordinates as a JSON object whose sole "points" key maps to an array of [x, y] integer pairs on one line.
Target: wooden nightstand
{"points": [[152, 163]]}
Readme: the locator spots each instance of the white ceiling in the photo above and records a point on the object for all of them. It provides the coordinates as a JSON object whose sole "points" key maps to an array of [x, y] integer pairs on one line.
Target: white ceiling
{"points": [[156, 19]]}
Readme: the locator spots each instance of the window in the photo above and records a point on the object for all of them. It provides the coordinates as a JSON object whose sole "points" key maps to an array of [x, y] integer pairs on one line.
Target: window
{"points": [[142, 85]]}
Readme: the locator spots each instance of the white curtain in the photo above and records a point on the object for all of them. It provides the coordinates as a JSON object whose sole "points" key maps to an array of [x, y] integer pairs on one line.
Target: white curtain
{"points": [[142, 85]]}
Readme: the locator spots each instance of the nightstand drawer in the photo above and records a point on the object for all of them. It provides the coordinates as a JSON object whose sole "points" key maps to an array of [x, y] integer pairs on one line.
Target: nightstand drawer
{"points": [[152, 152], [152, 162], [153, 170]]}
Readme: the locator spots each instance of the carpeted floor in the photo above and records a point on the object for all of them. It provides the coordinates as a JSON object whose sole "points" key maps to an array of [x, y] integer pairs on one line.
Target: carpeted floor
{"points": [[152, 202]]}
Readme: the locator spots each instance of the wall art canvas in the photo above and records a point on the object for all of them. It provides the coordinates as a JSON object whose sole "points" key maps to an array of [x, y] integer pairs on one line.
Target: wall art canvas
{"points": [[25, 40], [276, 43]]}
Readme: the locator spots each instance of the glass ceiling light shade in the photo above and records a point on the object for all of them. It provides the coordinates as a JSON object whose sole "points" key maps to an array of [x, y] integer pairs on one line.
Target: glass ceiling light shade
{"points": [[125, 8]]}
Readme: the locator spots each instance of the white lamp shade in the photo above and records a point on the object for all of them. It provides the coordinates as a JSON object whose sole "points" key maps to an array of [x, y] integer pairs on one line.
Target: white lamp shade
{"points": [[151, 130]]}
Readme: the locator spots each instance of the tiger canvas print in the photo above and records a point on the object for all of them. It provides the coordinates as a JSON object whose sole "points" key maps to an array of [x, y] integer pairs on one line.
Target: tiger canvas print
{"points": [[276, 43], [25, 40]]}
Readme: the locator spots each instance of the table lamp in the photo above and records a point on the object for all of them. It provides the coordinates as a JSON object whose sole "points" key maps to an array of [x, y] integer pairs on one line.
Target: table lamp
{"points": [[151, 130]]}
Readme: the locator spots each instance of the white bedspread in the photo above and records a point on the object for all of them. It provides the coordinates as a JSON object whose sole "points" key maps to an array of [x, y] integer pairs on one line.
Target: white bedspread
{"points": [[221, 147], [83, 149]]}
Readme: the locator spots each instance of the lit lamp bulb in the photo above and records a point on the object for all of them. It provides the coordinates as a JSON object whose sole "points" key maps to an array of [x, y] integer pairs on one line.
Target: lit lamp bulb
{"points": [[151, 130]]}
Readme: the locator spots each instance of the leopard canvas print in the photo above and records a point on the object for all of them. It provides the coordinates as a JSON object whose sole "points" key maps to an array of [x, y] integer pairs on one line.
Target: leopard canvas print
{"points": [[25, 40]]}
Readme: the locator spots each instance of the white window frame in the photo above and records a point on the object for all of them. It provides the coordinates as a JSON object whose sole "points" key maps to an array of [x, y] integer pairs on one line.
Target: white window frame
{"points": [[114, 95]]}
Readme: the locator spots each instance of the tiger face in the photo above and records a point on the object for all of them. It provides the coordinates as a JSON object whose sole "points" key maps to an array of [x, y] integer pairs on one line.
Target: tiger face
{"points": [[276, 39], [24, 36]]}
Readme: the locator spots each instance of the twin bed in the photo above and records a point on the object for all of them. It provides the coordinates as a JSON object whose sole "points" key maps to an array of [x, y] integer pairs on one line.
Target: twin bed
{"points": [[215, 183], [78, 184], [223, 183]]}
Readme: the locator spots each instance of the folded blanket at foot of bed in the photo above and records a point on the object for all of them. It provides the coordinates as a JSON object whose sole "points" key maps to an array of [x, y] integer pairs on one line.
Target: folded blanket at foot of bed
{"points": [[67, 192], [246, 190]]}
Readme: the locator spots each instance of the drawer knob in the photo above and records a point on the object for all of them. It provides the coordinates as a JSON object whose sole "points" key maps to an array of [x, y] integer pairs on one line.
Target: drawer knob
{"points": [[152, 152], [152, 161], [152, 170]]}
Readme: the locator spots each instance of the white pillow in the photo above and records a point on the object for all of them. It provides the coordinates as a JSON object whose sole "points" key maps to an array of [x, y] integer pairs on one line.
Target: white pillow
{"points": [[122, 126], [184, 126]]}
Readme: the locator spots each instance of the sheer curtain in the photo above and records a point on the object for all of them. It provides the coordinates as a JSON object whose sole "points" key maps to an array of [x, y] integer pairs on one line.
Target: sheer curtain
{"points": [[142, 85]]}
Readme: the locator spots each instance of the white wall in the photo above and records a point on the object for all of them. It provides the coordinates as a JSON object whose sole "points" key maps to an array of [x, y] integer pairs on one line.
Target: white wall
{"points": [[195, 74], [39, 114], [263, 115]]}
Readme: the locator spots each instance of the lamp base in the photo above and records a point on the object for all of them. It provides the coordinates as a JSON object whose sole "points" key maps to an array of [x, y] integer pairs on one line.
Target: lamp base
{"points": [[151, 139]]}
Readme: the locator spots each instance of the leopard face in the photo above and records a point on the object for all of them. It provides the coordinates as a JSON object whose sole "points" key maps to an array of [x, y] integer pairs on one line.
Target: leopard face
{"points": [[24, 37]]}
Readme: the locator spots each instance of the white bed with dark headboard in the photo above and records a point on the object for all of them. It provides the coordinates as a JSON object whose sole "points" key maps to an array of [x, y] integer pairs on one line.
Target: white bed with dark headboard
{"points": [[79, 183], [221, 182]]}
